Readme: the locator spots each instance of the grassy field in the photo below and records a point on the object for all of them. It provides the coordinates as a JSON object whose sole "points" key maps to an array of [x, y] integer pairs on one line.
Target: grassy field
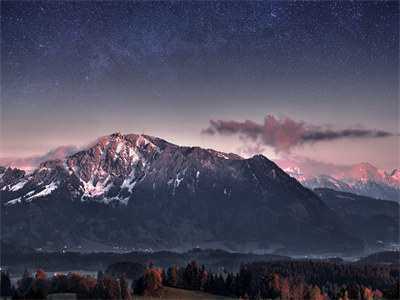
{"points": [[167, 293], [180, 294]]}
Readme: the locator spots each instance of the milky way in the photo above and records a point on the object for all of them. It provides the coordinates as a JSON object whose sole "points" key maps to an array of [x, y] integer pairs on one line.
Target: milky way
{"points": [[89, 68]]}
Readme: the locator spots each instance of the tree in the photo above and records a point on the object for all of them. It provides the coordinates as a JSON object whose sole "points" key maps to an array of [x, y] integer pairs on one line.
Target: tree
{"points": [[40, 275], [59, 284], [393, 292], [315, 294], [125, 292], [367, 294], [39, 289], [152, 281], [150, 284], [5, 285], [100, 274], [229, 284], [285, 289], [24, 284], [83, 286], [345, 296], [172, 276], [209, 286], [298, 290], [378, 294], [220, 285], [274, 286], [107, 288], [191, 279], [30, 288], [130, 270], [203, 277]]}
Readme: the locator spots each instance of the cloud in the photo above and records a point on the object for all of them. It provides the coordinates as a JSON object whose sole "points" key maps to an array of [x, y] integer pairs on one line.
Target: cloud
{"points": [[282, 134], [31, 162], [328, 135]]}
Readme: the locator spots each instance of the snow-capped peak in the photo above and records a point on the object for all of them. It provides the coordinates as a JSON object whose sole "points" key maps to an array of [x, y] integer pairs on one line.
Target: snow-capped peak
{"points": [[296, 173], [363, 178], [110, 166]]}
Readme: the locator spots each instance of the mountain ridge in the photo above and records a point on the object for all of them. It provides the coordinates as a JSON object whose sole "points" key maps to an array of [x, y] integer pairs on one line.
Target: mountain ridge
{"points": [[142, 191], [362, 179]]}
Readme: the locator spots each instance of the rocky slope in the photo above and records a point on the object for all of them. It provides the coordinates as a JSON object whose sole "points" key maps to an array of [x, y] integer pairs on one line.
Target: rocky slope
{"points": [[141, 191]]}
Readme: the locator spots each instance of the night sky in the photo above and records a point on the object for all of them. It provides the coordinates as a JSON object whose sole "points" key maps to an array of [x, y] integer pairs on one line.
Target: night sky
{"points": [[73, 71]]}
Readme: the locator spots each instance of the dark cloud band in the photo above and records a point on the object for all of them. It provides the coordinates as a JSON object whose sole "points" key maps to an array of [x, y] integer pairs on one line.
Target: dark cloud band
{"points": [[283, 134]]}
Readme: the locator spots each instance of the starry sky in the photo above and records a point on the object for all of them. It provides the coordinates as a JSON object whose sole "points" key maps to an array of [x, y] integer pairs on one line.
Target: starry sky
{"points": [[74, 71]]}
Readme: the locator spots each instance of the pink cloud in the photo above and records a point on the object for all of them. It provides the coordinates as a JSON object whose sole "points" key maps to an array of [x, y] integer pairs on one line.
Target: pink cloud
{"points": [[31, 162], [283, 134]]}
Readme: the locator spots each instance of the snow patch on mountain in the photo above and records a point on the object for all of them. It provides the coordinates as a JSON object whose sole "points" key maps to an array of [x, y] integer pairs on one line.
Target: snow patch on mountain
{"points": [[129, 184], [345, 197], [222, 155], [29, 193], [14, 201], [91, 189], [109, 200], [296, 173], [109, 170], [18, 186], [177, 181], [120, 145], [48, 189]]}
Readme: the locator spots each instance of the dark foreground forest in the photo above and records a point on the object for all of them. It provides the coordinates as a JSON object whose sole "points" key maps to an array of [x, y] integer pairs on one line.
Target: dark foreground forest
{"points": [[295, 279]]}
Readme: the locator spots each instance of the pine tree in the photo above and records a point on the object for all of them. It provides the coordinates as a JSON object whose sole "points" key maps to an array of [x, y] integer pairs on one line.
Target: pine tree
{"points": [[100, 274], [24, 284], [316, 294], [172, 276], [5, 285], [125, 292]]}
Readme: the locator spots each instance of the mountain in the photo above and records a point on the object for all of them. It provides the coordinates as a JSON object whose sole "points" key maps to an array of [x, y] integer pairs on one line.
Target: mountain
{"points": [[140, 191], [362, 179], [385, 257], [375, 222]]}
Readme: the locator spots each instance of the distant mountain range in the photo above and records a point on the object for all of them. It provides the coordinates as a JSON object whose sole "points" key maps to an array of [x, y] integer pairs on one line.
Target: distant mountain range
{"points": [[362, 179], [138, 191]]}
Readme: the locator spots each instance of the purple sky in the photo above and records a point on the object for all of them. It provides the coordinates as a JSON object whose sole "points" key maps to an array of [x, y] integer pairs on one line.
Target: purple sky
{"points": [[72, 72]]}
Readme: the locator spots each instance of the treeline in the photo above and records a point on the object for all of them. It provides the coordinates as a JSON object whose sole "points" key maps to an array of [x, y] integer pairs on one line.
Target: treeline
{"points": [[283, 280], [275, 280], [85, 287]]}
